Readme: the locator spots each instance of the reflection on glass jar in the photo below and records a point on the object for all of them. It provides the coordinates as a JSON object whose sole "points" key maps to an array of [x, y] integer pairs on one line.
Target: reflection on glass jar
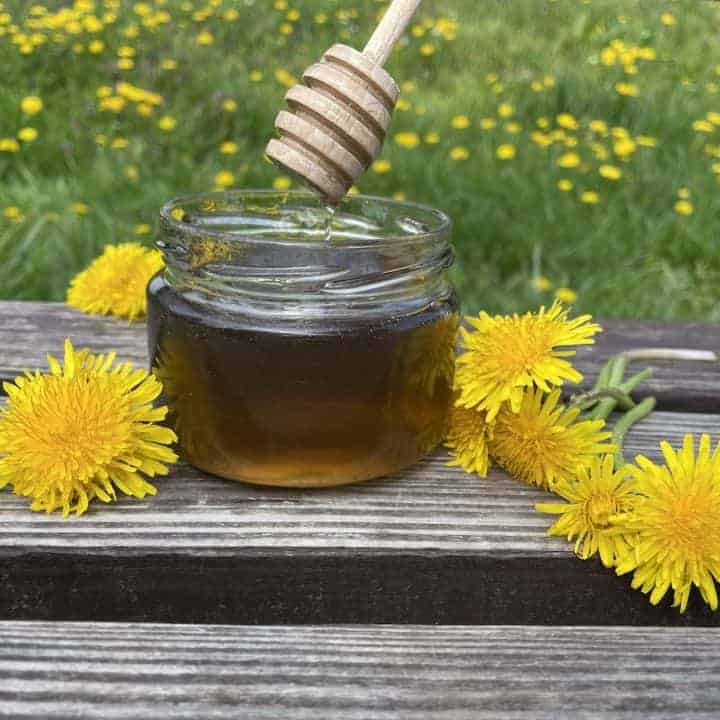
{"points": [[292, 359]]}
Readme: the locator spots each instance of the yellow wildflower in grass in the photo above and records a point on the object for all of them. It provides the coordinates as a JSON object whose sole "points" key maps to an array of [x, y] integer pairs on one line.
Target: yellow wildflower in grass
{"points": [[566, 295], [543, 123], [96, 47], [549, 81], [293, 15], [224, 179], [598, 126], [167, 123], [505, 151], [506, 110], [676, 522], [119, 143], [715, 167], [228, 147], [282, 182], [144, 110], [543, 443], [125, 64], [536, 86], [431, 138], [646, 141], [595, 495], [567, 121], [460, 122], [541, 139], [31, 105], [13, 213], [320, 18], [608, 56], [459, 153], [79, 208], [113, 104], [704, 126], [684, 207], [427, 49], [255, 76], [408, 140], [382, 166], [205, 38], [626, 89], [565, 185], [169, 64], [229, 106], [610, 172], [467, 441], [400, 196], [27, 134], [513, 127], [505, 354], [568, 160], [683, 193], [624, 147], [541, 283], [402, 105], [285, 78], [143, 229], [81, 431], [713, 117], [668, 19], [589, 197], [487, 123], [114, 283], [131, 172], [286, 29]]}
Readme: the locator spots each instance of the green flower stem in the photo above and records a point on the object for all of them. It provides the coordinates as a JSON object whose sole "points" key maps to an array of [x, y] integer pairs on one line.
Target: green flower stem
{"points": [[671, 354], [587, 400], [640, 411], [617, 370], [631, 383]]}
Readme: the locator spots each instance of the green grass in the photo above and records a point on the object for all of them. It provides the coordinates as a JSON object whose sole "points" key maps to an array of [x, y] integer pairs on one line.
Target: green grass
{"points": [[630, 255]]}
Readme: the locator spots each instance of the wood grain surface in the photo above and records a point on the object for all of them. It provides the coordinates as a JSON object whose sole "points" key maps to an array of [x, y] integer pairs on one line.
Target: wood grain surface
{"points": [[28, 330], [179, 672]]}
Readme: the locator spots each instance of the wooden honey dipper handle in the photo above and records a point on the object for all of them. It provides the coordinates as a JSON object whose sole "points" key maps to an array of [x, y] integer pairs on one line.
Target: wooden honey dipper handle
{"points": [[390, 29]]}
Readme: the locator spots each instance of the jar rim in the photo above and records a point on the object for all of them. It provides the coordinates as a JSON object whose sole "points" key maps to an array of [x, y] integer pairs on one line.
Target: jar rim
{"points": [[440, 228]]}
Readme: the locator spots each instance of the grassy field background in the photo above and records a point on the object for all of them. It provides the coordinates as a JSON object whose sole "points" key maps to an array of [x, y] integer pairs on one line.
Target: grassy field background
{"points": [[576, 144]]}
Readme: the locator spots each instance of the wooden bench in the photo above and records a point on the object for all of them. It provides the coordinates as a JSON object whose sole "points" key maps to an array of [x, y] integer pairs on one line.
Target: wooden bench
{"points": [[527, 629]]}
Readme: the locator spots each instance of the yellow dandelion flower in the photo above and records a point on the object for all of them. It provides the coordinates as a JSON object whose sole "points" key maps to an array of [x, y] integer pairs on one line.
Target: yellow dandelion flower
{"points": [[676, 521], [610, 172], [715, 167], [229, 106], [459, 153], [543, 443], [541, 139], [646, 141], [568, 160], [31, 105], [467, 440], [143, 229], [668, 19], [599, 126], [549, 81], [255, 76], [400, 196], [543, 123], [224, 179], [320, 18], [704, 126], [684, 207], [231, 15], [505, 152], [624, 147], [683, 193], [286, 29], [431, 138], [144, 109], [566, 295], [541, 283], [513, 127], [282, 182], [27, 134], [228, 147], [131, 172], [114, 283], [626, 89], [597, 493], [460, 122], [506, 110], [505, 354], [567, 121], [13, 213], [536, 86], [205, 38], [293, 15], [589, 197], [79, 208], [169, 64], [119, 143], [408, 140], [125, 64], [487, 123], [713, 117], [382, 166], [81, 431], [608, 56], [96, 47], [167, 123], [427, 49], [285, 78]]}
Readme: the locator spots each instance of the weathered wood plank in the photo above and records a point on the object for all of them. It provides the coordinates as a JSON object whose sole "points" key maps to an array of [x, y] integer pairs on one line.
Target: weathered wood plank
{"points": [[28, 330], [430, 545], [173, 672]]}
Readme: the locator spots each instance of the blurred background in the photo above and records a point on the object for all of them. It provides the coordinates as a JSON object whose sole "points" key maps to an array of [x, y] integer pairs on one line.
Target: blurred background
{"points": [[575, 143]]}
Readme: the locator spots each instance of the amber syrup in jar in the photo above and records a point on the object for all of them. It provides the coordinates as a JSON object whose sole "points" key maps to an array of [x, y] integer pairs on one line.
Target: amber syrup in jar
{"points": [[288, 358]]}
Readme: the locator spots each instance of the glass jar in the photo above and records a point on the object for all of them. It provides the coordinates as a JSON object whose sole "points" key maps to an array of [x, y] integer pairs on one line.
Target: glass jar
{"points": [[302, 352]]}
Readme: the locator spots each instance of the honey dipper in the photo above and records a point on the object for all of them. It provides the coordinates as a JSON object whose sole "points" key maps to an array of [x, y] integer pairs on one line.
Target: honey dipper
{"points": [[337, 120]]}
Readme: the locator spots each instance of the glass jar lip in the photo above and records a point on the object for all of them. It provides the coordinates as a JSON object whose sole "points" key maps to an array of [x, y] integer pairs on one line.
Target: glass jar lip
{"points": [[440, 229]]}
